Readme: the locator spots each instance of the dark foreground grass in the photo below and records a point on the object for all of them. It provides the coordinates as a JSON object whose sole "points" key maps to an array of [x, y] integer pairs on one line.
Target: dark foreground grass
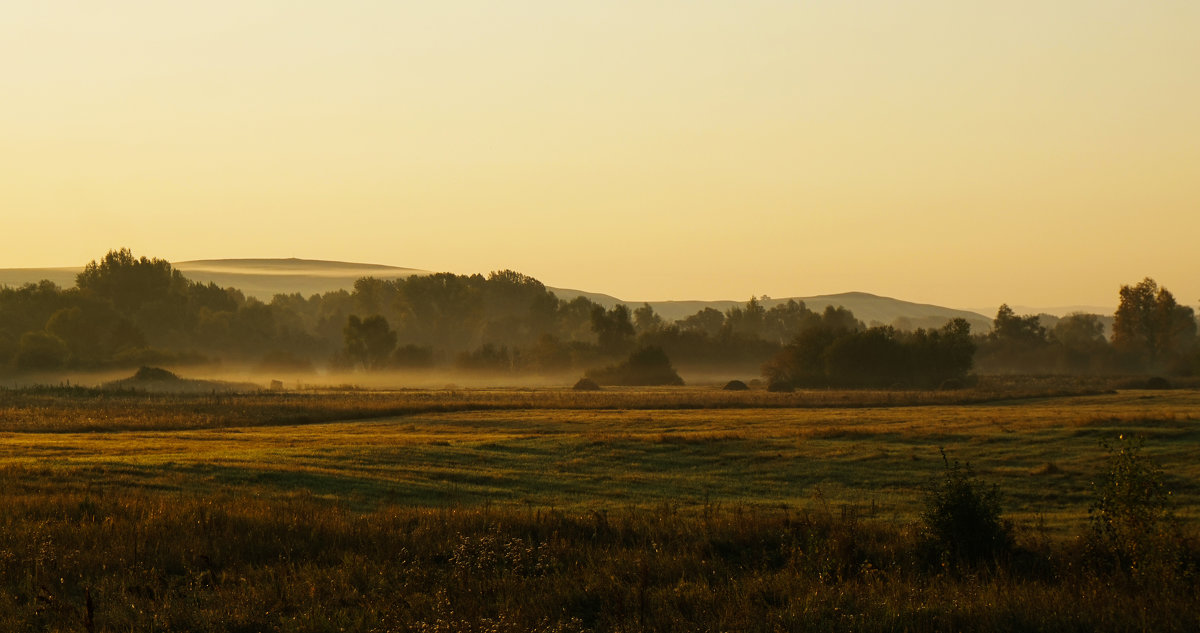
{"points": [[147, 562]]}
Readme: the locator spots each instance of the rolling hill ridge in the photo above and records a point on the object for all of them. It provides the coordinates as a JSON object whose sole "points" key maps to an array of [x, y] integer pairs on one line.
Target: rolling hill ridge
{"points": [[264, 278]]}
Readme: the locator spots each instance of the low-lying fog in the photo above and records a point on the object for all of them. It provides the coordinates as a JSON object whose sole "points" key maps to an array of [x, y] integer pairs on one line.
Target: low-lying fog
{"points": [[390, 379]]}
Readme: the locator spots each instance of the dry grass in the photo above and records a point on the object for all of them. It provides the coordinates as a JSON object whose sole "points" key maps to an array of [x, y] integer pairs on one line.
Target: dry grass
{"points": [[588, 458], [635, 510], [160, 561], [63, 409]]}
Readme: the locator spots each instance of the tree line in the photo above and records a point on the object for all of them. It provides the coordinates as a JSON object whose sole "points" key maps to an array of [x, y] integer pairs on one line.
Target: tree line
{"points": [[130, 311], [1151, 334]]}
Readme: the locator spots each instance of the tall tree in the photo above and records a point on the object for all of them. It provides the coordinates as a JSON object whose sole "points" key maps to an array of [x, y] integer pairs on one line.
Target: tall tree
{"points": [[128, 281], [613, 328], [709, 321], [646, 320], [1016, 344], [1010, 329], [783, 321], [1082, 347], [746, 322], [369, 341], [1151, 330]]}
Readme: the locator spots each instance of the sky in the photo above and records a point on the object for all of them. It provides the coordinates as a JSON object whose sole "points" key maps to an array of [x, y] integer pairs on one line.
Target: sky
{"points": [[939, 151]]}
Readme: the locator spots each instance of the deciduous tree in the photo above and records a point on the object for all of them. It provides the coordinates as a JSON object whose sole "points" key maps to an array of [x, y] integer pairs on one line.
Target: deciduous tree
{"points": [[369, 341], [1151, 331]]}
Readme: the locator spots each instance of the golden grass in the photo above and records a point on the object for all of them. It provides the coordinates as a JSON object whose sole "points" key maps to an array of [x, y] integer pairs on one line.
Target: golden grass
{"points": [[548, 511], [859, 457], [81, 409]]}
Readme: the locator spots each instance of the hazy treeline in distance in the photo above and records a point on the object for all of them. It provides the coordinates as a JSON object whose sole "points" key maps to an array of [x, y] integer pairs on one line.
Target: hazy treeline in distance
{"points": [[126, 311]]}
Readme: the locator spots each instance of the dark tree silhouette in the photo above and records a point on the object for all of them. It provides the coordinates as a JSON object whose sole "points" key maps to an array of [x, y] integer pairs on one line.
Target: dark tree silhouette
{"points": [[39, 351], [645, 320], [1010, 329], [135, 310], [746, 322], [1016, 344], [1081, 345], [645, 366], [369, 342], [613, 328], [803, 361], [1151, 331], [129, 282], [831, 354], [709, 321]]}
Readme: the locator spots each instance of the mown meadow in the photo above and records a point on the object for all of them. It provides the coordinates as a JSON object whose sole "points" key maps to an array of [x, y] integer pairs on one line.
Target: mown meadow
{"points": [[622, 510]]}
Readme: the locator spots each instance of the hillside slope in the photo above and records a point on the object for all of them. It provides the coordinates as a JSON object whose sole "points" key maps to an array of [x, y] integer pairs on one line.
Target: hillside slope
{"points": [[265, 278]]}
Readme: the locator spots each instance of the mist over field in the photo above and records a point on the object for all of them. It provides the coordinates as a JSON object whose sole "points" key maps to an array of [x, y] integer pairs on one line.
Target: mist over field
{"points": [[248, 377], [382, 325], [527, 460], [600, 317]]}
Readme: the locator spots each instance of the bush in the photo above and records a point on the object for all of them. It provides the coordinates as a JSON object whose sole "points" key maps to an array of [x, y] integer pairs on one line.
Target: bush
{"points": [[735, 385], [780, 386], [487, 357], [586, 384], [1132, 526], [40, 351], [961, 522], [413, 356], [154, 373], [952, 384], [646, 366], [1157, 382]]}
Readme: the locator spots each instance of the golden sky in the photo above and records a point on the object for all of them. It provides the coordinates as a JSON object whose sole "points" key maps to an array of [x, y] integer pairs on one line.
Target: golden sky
{"points": [[960, 153]]}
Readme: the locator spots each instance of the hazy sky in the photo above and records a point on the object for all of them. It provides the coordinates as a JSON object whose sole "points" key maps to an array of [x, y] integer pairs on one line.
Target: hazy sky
{"points": [[961, 153]]}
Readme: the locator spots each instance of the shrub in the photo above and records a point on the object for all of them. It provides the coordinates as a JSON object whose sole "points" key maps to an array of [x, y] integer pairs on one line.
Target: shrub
{"points": [[487, 357], [1132, 526], [154, 373], [952, 384], [645, 366], [413, 356], [961, 522], [1157, 382], [735, 385], [39, 351], [141, 356], [780, 386], [586, 384]]}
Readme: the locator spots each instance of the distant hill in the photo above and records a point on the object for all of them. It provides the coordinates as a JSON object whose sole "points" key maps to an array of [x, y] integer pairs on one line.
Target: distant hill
{"points": [[868, 308], [293, 267], [1058, 311], [264, 278], [259, 278], [64, 277]]}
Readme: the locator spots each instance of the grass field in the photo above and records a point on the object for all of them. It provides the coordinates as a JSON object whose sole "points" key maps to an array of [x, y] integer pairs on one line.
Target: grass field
{"points": [[790, 499], [873, 460]]}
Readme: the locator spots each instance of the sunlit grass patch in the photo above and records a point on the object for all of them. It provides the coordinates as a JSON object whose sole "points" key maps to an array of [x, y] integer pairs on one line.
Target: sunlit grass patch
{"points": [[630, 456]]}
